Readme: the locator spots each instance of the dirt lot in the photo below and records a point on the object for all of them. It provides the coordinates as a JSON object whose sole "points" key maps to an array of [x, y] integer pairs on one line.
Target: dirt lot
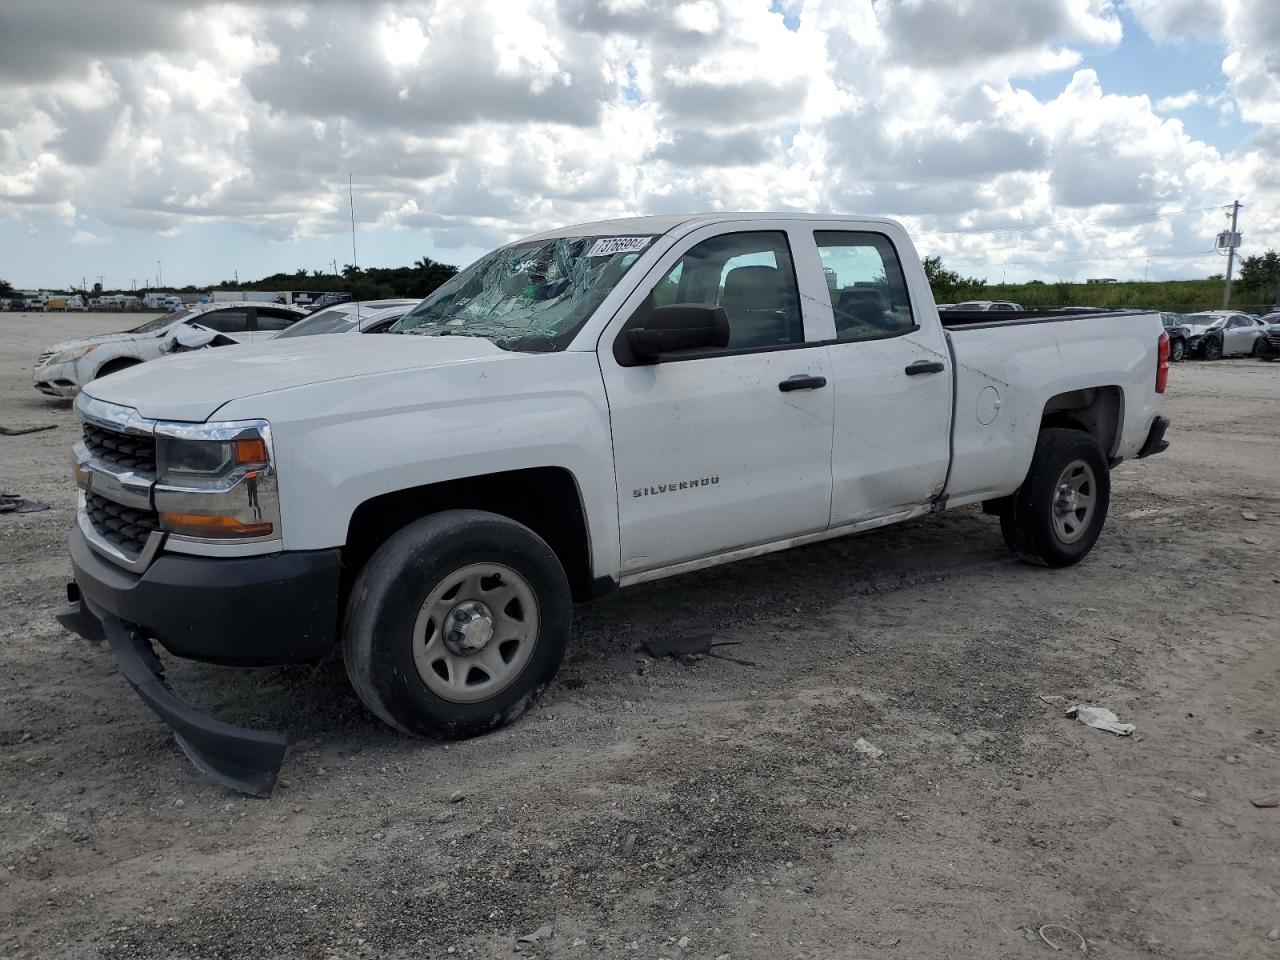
{"points": [[760, 831]]}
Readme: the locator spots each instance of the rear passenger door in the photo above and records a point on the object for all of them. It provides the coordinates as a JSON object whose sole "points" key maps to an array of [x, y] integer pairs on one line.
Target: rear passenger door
{"points": [[715, 451], [892, 375]]}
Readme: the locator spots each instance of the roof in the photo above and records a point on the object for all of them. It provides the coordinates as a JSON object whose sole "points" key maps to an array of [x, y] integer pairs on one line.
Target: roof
{"points": [[665, 223]]}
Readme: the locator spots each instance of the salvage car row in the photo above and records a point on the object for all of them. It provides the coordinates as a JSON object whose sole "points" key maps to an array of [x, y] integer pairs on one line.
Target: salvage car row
{"points": [[1215, 334], [63, 369]]}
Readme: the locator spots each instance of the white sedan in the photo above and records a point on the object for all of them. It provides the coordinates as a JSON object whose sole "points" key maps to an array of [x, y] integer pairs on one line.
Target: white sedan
{"points": [[66, 367], [370, 316]]}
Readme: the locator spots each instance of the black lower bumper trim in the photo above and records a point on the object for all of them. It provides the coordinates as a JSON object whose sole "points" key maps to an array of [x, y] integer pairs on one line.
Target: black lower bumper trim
{"points": [[239, 758], [1156, 443]]}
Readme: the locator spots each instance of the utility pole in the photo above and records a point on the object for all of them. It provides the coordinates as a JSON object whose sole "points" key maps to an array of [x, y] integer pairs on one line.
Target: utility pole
{"points": [[1231, 255], [159, 275]]}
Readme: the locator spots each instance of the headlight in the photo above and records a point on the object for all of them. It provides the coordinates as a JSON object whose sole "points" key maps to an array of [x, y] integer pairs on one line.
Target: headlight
{"points": [[75, 353], [216, 481]]}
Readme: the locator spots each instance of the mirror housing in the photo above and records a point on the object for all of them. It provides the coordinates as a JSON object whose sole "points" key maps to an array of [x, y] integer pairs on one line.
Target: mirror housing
{"points": [[679, 327]]}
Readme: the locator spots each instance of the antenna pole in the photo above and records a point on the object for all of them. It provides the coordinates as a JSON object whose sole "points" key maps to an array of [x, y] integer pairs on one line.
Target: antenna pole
{"points": [[352, 203]]}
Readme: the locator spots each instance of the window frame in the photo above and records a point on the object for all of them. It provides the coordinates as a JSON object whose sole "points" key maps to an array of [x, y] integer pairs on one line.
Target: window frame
{"points": [[622, 353], [906, 289]]}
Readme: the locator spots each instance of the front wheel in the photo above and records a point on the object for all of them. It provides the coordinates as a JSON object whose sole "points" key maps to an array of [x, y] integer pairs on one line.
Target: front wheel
{"points": [[457, 624], [1212, 350], [1177, 350], [1056, 516]]}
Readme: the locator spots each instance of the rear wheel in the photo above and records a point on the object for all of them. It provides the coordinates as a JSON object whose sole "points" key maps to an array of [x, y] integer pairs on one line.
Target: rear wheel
{"points": [[1212, 349], [1056, 516], [456, 624], [1177, 350]]}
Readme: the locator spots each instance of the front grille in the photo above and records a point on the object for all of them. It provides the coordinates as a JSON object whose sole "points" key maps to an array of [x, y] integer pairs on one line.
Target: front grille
{"points": [[44, 358], [125, 450], [124, 527]]}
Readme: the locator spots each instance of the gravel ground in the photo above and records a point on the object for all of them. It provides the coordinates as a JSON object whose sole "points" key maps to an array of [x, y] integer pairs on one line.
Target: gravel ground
{"points": [[760, 829]]}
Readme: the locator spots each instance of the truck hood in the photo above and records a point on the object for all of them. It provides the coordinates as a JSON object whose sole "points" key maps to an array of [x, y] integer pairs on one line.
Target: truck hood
{"points": [[192, 386]]}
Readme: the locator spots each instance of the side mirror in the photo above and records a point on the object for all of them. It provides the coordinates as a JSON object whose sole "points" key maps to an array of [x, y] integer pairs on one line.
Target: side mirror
{"points": [[677, 327]]}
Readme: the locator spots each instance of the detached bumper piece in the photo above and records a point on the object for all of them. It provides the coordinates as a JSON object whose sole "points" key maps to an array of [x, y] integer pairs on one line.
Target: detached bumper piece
{"points": [[239, 758], [1156, 443]]}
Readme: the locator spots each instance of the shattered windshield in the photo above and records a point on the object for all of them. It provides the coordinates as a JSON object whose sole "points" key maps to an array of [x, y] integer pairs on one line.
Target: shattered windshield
{"points": [[531, 296]]}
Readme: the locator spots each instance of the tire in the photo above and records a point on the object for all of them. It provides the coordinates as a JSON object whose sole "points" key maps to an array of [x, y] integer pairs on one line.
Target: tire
{"points": [[1257, 349], [395, 648], [1212, 350], [115, 366], [1177, 350], [1036, 526]]}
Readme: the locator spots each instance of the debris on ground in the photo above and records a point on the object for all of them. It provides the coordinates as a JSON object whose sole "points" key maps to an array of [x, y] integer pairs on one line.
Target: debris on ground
{"points": [[1084, 947], [542, 933], [889, 942], [1267, 800], [1273, 934], [12, 503], [19, 431], [1251, 540], [1052, 699], [868, 749], [1248, 515], [629, 845], [1100, 718], [691, 648]]}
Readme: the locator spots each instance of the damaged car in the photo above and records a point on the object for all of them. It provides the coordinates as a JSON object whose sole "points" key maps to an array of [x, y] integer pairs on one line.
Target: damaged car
{"points": [[64, 369]]}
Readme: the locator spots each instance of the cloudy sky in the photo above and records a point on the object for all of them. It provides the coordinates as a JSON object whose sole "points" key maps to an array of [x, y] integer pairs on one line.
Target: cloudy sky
{"points": [[1018, 138]]}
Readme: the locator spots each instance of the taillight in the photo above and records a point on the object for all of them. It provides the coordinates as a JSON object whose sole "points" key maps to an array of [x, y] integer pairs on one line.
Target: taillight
{"points": [[1162, 362]]}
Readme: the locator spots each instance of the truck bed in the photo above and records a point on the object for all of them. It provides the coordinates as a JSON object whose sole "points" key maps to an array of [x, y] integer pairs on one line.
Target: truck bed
{"points": [[1004, 318]]}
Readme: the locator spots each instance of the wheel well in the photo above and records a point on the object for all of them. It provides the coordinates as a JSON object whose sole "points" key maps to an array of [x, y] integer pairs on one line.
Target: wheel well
{"points": [[116, 365], [544, 499], [1095, 410]]}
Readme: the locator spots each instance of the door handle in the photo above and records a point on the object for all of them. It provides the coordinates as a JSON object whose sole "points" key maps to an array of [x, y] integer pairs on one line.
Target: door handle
{"points": [[924, 366], [802, 382]]}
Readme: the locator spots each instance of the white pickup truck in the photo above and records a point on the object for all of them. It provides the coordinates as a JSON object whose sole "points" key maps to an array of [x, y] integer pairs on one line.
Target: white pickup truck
{"points": [[592, 407]]}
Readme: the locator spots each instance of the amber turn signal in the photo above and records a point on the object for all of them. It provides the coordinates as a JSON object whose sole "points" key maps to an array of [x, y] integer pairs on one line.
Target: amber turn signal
{"points": [[203, 525], [252, 450]]}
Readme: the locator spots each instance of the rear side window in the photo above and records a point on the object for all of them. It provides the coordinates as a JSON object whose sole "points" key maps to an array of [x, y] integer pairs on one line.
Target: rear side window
{"points": [[225, 321], [272, 319], [752, 276], [867, 286]]}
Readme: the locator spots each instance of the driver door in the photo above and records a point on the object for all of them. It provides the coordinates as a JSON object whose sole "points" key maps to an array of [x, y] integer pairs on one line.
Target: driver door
{"points": [[713, 451]]}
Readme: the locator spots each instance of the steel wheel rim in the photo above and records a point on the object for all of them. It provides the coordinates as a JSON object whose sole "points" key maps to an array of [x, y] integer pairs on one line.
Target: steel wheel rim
{"points": [[1075, 498], [486, 606]]}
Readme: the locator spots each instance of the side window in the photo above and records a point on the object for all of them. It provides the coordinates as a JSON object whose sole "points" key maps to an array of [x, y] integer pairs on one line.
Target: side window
{"points": [[751, 276], [270, 318], [225, 321], [867, 286]]}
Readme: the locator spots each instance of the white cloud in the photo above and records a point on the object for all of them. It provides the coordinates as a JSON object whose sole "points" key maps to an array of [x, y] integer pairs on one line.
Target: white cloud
{"points": [[1172, 104], [476, 122], [83, 238]]}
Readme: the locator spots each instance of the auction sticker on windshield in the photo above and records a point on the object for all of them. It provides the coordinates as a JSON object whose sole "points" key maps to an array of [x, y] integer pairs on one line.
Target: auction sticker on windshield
{"points": [[608, 246]]}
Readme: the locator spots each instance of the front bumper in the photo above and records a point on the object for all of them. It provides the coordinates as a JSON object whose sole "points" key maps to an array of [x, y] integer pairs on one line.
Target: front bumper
{"points": [[242, 759], [278, 608], [56, 380], [241, 611]]}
